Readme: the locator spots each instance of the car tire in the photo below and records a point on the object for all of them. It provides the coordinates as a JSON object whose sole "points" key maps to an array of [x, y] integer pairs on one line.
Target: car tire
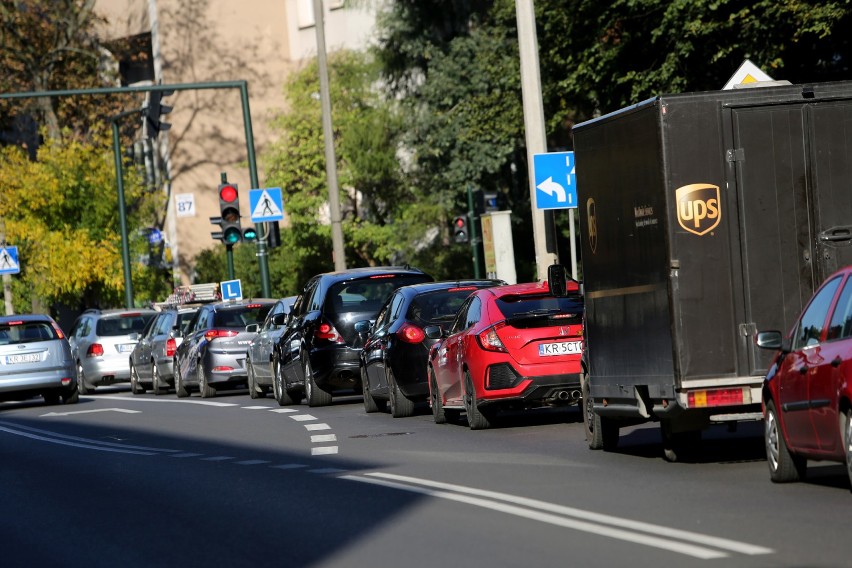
{"points": [[82, 388], [283, 396], [847, 440], [370, 404], [313, 394], [135, 386], [156, 383], [784, 467], [204, 389], [435, 401], [51, 398], [476, 419], [400, 406], [71, 398], [180, 388], [254, 391], [601, 433]]}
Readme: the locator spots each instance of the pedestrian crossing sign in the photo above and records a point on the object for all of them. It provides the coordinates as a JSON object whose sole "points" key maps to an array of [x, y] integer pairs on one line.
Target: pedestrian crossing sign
{"points": [[9, 260], [266, 205]]}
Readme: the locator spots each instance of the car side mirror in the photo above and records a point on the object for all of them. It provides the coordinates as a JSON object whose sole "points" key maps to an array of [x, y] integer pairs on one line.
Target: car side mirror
{"points": [[280, 319], [363, 327], [253, 327], [769, 340], [176, 332], [434, 332]]}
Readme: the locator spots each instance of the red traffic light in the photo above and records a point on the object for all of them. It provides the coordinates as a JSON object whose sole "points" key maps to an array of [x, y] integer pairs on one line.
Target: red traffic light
{"points": [[228, 193], [460, 222]]}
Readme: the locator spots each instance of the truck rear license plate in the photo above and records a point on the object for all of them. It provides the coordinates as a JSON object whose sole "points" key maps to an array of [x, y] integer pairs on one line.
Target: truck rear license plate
{"points": [[561, 348]]}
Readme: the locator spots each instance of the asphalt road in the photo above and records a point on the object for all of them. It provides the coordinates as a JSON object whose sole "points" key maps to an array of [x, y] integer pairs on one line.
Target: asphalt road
{"points": [[123, 480]]}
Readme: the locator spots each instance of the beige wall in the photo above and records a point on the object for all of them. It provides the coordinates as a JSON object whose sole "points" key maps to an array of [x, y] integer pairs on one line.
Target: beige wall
{"points": [[224, 40]]}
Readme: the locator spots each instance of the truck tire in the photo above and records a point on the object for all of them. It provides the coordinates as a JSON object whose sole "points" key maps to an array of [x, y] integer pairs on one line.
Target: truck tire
{"points": [[784, 467], [601, 433]]}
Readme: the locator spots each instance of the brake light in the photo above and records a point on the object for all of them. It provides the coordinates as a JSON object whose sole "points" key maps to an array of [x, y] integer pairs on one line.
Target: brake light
{"points": [[252, 306], [382, 276], [16, 322], [490, 341], [411, 333], [327, 332], [462, 289], [58, 331], [95, 350], [715, 397], [131, 314], [171, 347], [212, 334]]}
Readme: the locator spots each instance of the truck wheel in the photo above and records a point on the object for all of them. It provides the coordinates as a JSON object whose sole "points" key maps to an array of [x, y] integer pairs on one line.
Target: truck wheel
{"points": [[476, 419], [314, 395], [400, 406], [783, 466], [601, 433]]}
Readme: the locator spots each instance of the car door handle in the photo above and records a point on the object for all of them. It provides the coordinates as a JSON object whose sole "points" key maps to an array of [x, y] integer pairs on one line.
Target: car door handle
{"points": [[836, 361]]}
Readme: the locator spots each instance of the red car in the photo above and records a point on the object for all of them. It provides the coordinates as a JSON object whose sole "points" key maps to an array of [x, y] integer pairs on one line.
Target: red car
{"points": [[807, 395], [515, 346]]}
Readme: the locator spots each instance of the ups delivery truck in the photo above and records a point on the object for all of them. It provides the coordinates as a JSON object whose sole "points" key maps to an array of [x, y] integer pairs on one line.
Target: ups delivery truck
{"points": [[704, 218]]}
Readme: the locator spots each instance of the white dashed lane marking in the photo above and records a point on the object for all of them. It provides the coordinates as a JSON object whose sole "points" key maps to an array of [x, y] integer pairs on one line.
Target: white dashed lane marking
{"points": [[323, 438], [324, 451], [303, 417], [313, 427]]}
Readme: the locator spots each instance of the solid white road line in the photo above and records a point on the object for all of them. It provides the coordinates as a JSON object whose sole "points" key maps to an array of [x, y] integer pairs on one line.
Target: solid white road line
{"points": [[104, 448], [124, 410], [85, 440]]}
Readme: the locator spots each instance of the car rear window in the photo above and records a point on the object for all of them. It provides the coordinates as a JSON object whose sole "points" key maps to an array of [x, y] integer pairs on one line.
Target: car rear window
{"points": [[123, 324], [26, 332], [540, 310], [366, 294], [241, 316], [438, 306]]}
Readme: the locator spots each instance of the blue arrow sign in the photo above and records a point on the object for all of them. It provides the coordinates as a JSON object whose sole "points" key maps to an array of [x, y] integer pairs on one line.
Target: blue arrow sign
{"points": [[9, 260], [231, 289], [555, 180], [266, 205]]}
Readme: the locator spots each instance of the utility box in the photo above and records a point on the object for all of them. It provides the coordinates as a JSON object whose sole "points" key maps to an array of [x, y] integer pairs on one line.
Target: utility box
{"points": [[704, 217]]}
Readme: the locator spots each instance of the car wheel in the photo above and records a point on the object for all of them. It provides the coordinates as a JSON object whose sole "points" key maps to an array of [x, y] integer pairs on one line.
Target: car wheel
{"points": [[279, 386], [400, 406], [71, 398], [135, 386], [601, 433], [51, 398], [370, 404], [180, 388], [254, 390], [156, 384], [314, 395], [81, 381], [476, 419], [205, 390], [847, 443], [783, 466], [435, 399]]}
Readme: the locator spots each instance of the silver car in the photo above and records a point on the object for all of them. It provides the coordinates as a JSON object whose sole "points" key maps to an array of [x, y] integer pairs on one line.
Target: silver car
{"points": [[101, 342], [35, 359], [152, 360], [259, 354]]}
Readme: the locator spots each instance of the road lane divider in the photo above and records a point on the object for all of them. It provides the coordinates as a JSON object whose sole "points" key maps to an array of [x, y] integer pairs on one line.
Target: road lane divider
{"points": [[74, 441], [657, 536]]}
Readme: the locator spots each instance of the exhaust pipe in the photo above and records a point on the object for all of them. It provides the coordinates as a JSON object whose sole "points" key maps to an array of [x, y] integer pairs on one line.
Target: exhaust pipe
{"points": [[563, 395], [576, 395]]}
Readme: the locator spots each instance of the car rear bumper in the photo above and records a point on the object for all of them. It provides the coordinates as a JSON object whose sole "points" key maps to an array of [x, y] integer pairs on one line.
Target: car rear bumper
{"points": [[336, 368], [101, 371], [31, 384], [559, 389]]}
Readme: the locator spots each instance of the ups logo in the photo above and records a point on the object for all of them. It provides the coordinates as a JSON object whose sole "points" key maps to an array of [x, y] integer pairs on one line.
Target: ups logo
{"points": [[698, 207]]}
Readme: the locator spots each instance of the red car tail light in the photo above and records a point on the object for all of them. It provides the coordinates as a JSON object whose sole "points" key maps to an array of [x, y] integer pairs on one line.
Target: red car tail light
{"points": [[490, 341], [715, 397], [411, 333], [212, 334], [327, 332], [171, 347], [95, 350], [222, 369], [58, 331]]}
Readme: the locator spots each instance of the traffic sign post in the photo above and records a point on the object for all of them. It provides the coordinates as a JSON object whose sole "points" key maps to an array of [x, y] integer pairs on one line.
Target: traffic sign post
{"points": [[266, 205], [9, 263], [231, 289]]}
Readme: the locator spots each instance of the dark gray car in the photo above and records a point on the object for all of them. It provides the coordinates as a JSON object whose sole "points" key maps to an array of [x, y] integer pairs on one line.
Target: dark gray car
{"points": [[152, 360], [259, 354], [213, 353]]}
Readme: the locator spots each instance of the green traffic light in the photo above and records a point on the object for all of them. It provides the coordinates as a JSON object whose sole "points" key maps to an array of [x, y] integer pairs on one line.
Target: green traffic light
{"points": [[231, 236], [250, 234]]}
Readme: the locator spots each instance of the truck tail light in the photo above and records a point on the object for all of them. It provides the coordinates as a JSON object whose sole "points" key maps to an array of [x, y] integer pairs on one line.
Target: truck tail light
{"points": [[715, 397]]}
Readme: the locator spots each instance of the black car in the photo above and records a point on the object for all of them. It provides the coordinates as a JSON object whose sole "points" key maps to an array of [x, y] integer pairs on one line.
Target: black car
{"points": [[320, 351], [396, 349], [213, 353]]}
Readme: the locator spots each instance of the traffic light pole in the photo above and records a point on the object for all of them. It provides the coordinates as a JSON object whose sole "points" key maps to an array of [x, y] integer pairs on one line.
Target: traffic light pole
{"points": [[229, 253], [122, 211], [474, 232]]}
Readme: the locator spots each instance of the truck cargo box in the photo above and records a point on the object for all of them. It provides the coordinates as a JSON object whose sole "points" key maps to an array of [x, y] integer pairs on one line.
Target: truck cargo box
{"points": [[705, 217]]}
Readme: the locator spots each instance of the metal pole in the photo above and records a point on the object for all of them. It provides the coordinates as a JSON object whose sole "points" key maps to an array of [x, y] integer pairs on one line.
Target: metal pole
{"points": [[474, 232], [229, 252], [262, 255], [328, 134], [122, 213], [7, 279], [533, 122]]}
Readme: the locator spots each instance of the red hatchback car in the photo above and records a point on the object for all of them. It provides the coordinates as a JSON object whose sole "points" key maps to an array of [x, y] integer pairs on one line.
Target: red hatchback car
{"points": [[515, 346], [807, 395]]}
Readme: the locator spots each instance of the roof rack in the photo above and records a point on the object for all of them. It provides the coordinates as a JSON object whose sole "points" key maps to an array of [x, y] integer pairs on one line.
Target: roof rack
{"points": [[193, 294]]}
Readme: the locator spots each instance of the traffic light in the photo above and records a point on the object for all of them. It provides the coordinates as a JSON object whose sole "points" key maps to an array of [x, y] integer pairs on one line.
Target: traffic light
{"points": [[153, 113], [273, 238], [250, 234], [229, 210], [460, 230]]}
